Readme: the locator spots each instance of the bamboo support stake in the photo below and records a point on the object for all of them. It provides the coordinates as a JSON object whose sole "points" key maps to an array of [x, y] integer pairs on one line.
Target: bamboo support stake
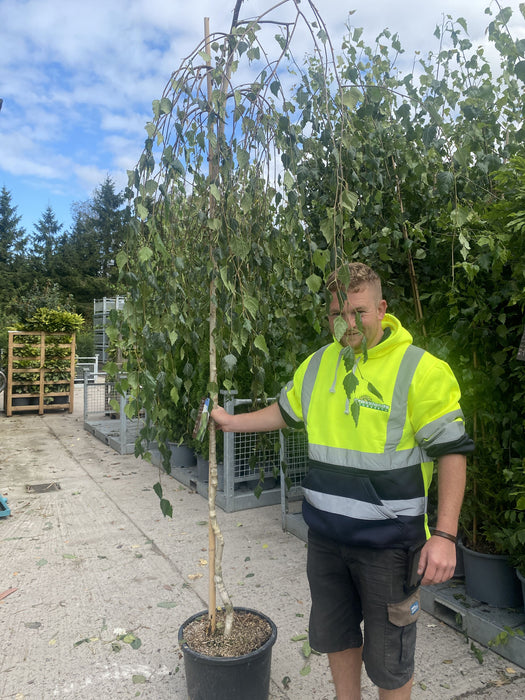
{"points": [[212, 486], [215, 536], [411, 268], [475, 483]]}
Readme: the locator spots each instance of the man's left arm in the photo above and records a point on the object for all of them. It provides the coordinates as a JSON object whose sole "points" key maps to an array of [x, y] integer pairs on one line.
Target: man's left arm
{"points": [[438, 556]]}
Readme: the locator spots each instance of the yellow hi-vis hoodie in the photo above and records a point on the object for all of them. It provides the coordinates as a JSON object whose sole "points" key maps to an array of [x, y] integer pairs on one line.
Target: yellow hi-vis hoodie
{"points": [[368, 483]]}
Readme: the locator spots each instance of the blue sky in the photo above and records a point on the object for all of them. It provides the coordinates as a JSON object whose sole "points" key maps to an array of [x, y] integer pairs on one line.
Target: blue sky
{"points": [[77, 78]]}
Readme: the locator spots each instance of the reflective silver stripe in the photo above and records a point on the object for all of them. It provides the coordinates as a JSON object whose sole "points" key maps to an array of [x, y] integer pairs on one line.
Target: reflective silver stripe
{"points": [[410, 507], [309, 380], [361, 510], [398, 412], [444, 429], [284, 403], [342, 457]]}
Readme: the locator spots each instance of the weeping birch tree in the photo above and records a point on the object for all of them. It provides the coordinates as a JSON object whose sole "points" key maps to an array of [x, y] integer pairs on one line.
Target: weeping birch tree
{"points": [[218, 262]]}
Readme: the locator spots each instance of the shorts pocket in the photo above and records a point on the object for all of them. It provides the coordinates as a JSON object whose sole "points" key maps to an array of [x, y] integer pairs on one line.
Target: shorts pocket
{"points": [[405, 612]]}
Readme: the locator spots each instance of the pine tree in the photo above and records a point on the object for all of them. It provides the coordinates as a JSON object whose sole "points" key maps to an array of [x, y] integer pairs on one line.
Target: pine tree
{"points": [[46, 238], [85, 256], [12, 236]]}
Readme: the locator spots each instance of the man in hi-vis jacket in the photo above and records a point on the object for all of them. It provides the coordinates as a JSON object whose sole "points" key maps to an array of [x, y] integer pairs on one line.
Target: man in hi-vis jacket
{"points": [[365, 493]]}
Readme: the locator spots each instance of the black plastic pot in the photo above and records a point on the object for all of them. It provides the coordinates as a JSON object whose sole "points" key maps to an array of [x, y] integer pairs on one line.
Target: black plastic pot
{"points": [[244, 677], [521, 579], [182, 455], [491, 579]]}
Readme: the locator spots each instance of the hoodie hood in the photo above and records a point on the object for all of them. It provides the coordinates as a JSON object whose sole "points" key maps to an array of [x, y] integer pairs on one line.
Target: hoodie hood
{"points": [[397, 336], [393, 335]]}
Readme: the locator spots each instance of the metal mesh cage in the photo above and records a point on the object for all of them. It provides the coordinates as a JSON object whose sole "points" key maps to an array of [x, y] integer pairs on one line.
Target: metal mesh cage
{"points": [[295, 456], [253, 452], [98, 397]]}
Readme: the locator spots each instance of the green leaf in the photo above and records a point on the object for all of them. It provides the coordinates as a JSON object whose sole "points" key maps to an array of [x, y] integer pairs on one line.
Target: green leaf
{"points": [[251, 304], [352, 97], [289, 180], [158, 489], [166, 508], [167, 604], [241, 247], [340, 327], [260, 343], [230, 362], [519, 69], [142, 212], [350, 384], [121, 259], [150, 187], [432, 111], [477, 652], [81, 641], [364, 347], [459, 216], [299, 637], [138, 679], [349, 358], [214, 191], [321, 258], [243, 158], [374, 391], [305, 670], [165, 105], [145, 254], [314, 283], [445, 182], [355, 408], [349, 200], [275, 87], [306, 649]]}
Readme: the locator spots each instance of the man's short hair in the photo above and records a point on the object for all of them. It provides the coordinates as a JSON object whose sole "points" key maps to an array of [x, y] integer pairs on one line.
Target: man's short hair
{"points": [[352, 277]]}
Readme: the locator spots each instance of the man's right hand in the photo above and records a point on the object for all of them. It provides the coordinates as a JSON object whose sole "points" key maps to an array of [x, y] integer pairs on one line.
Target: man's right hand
{"points": [[222, 419]]}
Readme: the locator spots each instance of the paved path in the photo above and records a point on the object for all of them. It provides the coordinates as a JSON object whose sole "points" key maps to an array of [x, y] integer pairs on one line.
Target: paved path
{"points": [[95, 560]]}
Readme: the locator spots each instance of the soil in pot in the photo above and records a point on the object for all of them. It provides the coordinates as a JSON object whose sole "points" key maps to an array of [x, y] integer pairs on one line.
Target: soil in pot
{"points": [[244, 669], [249, 632]]}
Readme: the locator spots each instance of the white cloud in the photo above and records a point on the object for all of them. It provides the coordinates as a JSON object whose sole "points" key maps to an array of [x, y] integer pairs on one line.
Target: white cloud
{"points": [[78, 77]]}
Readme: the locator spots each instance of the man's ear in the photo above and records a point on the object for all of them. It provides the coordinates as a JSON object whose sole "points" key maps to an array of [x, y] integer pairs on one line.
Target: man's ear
{"points": [[382, 308]]}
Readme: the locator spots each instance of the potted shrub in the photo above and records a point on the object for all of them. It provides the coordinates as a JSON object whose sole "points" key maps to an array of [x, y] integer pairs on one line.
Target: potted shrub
{"points": [[488, 321], [485, 546], [512, 531]]}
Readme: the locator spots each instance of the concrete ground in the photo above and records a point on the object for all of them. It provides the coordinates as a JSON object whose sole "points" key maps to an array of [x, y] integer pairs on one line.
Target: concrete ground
{"points": [[95, 582]]}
